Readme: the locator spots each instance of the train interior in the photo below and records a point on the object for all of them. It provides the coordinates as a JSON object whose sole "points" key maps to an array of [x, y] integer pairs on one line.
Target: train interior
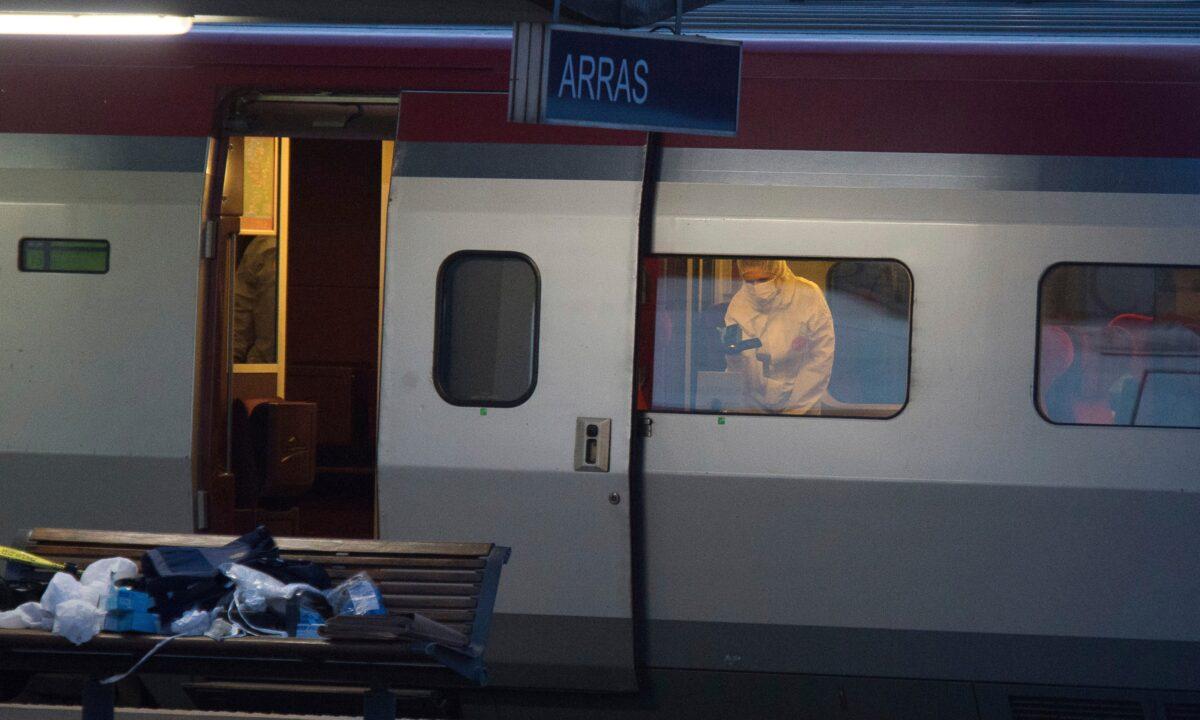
{"points": [[301, 227], [686, 319], [1120, 345]]}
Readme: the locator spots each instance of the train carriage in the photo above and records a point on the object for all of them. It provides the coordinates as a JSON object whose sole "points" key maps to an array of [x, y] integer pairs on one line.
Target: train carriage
{"points": [[513, 333]]}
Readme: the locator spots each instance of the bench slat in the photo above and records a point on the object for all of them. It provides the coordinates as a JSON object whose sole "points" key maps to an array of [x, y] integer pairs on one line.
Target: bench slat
{"points": [[446, 615], [84, 555], [359, 562], [101, 551], [438, 589], [416, 603], [382, 575], [329, 546]]}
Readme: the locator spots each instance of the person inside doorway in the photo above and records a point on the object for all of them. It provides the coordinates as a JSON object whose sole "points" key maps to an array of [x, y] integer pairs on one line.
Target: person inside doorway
{"points": [[254, 306]]}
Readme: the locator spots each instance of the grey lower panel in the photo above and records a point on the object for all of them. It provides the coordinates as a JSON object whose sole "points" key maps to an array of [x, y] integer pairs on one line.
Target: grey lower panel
{"points": [[708, 695], [968, 657], [569, 653], [715, 695], [588, 654], [94, 492], [987, 559]]}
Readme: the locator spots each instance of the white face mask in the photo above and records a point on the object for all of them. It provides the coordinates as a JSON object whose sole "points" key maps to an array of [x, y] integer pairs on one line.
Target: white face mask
{"points": [[764, 291]]}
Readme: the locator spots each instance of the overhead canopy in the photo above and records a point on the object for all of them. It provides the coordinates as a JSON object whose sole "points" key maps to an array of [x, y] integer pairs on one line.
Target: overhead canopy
{"points": [[626, 13], [622, 13], [1080, 18]]}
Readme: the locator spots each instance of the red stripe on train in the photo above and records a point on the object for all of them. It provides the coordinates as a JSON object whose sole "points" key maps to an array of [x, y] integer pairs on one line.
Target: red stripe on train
{"points": [[1006, 98]]}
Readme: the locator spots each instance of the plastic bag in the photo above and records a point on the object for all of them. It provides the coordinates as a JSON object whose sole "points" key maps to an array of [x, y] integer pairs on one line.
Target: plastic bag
{"points": [[357, 596], [74, 607], [63, 588], [104, 574], [255, 588], [222, 629], [192, 622], [77, 620], [28, 615]]}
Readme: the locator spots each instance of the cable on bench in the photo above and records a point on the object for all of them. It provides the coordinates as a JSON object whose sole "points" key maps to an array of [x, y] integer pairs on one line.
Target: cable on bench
{"points": [[162, 643], [245, 627]]}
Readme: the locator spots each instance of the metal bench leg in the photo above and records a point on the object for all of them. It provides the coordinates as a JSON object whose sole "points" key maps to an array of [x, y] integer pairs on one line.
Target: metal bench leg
{"points": [[98, 700], [379, 703]]}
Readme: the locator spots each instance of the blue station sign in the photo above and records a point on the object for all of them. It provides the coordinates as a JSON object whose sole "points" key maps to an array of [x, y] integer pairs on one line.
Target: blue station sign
{"points": [[626, 80]]}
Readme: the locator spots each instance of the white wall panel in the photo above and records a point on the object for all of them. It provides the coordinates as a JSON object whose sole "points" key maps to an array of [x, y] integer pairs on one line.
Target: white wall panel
{"points": [[99, 366]]}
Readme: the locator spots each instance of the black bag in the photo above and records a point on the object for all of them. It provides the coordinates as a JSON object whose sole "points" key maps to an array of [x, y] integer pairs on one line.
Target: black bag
{"points": [[182, 578]]}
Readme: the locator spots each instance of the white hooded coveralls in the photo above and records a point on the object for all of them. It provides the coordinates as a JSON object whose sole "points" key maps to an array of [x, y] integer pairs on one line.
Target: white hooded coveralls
{"points": [[789, 315]]}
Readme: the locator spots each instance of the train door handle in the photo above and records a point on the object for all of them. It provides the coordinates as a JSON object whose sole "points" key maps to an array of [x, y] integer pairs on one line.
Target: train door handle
{"points": [[592, 436]]}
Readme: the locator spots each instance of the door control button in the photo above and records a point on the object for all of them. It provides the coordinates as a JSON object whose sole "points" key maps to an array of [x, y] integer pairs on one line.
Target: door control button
{"points": [[592, 436]]}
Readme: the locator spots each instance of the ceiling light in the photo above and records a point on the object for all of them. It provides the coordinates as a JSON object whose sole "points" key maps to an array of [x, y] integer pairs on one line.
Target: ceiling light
{"points": [[68, 24]]}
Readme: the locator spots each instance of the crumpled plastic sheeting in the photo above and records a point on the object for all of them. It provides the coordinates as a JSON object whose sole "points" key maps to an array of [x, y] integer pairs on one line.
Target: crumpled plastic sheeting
{"points": [[193, 622], [255, 588], [78, 620], [104, 574], [356, 596], [222, 629], [72, 608], [30, 615], [64, 587]]}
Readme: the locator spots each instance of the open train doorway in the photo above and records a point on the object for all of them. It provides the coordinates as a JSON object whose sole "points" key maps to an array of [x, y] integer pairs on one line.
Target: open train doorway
{"points": [[298, 264]]}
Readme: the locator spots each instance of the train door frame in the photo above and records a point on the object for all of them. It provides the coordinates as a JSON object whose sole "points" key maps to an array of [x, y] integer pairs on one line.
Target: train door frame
{"points": [[285, 115]]}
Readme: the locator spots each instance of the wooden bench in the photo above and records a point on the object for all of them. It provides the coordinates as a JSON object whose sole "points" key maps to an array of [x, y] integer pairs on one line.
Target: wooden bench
{"points": [[454, 583]]}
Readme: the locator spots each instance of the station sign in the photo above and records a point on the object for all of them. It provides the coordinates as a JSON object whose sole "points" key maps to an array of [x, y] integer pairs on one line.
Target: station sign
{"points": [[570, 75]]}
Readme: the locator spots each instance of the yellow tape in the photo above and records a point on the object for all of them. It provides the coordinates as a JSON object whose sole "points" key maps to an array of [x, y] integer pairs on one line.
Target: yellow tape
{"points": [[21, 556]]}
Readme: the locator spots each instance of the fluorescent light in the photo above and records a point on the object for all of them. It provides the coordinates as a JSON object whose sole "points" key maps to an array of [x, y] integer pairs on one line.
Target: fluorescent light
{"points": [[114, 24]]}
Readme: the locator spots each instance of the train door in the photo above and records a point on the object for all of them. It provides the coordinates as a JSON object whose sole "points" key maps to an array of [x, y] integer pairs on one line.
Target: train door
{"points": [[100, 238], [507, 374], [294, 316]]}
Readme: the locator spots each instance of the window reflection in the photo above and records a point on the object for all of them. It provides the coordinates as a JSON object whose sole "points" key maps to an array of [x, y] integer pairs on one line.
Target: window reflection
{"points": [[1120, 345], [486, 353], [772, 336]]}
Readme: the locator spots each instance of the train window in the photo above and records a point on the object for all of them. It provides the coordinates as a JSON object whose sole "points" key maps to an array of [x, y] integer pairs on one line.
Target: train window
{"points": [[1119, 345], [487, 329], [825, 337], [52, 255]]}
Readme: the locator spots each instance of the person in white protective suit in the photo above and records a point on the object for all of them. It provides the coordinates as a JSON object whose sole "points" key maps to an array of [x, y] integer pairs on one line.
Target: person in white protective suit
{"points": [[789, 315]]}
